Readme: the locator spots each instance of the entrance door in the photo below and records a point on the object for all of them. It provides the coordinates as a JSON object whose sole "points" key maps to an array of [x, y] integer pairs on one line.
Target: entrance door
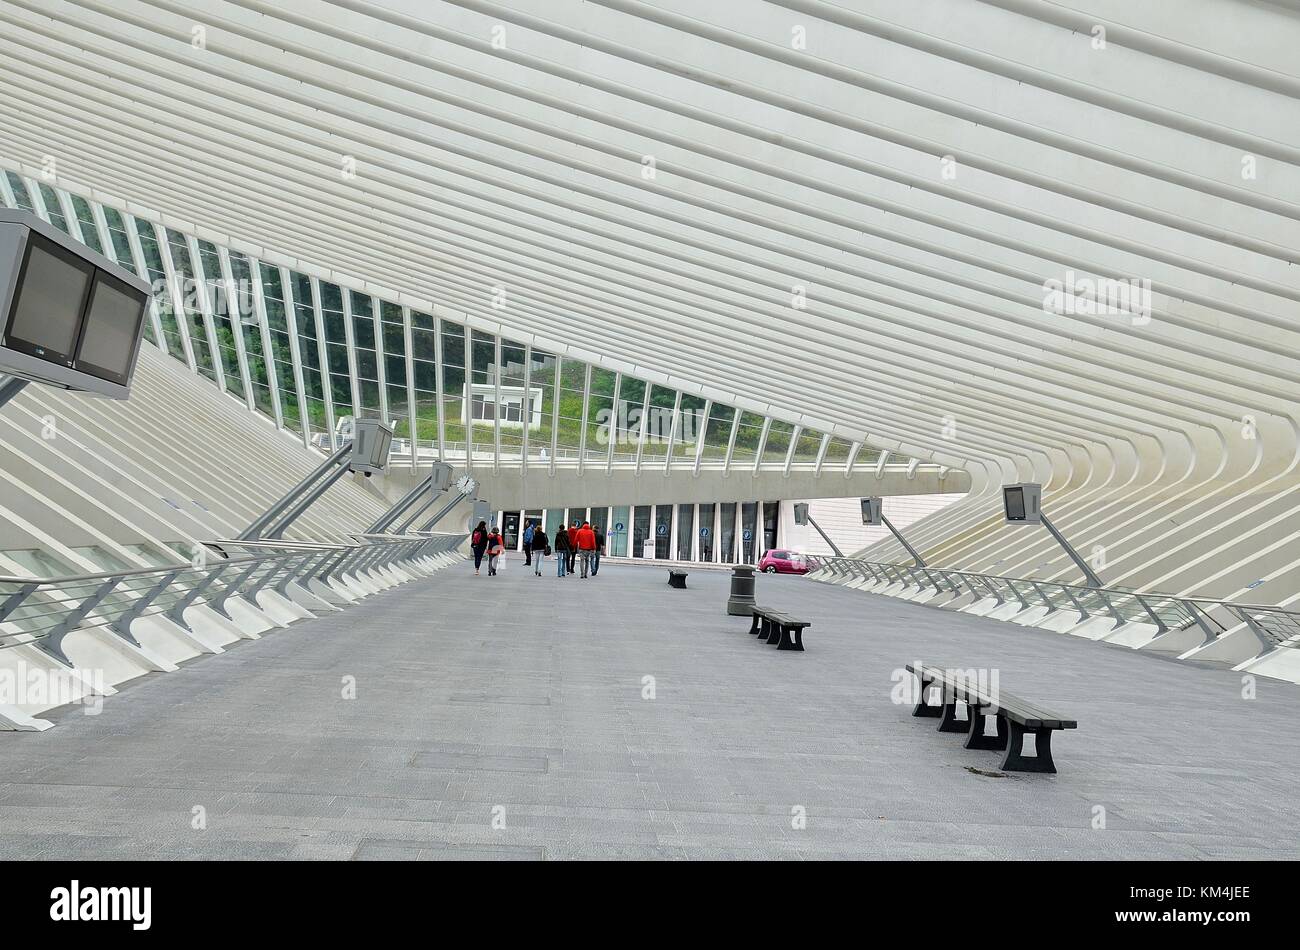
{"points": [[510, 530]]}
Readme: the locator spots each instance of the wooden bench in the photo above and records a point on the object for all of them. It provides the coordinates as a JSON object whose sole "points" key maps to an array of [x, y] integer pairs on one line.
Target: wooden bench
{"points": [[773, 626], [677, 579], [1015, 717]]}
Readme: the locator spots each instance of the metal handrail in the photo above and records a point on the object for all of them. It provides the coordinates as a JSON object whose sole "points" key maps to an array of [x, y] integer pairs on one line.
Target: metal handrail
{"points": [[1273, 625], [41, 611]]}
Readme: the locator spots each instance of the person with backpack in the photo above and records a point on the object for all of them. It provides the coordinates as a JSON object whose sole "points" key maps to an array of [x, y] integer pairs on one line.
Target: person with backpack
{"points": [[586, 546], [528, 544], [561, 551], [541, 547], [478, 544], [573, 545], [600, 549], [495, 548]]}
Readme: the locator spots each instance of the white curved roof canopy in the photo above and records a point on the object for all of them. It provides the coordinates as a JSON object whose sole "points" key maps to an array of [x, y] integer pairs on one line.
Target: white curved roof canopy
{"points": [[852, 215]]}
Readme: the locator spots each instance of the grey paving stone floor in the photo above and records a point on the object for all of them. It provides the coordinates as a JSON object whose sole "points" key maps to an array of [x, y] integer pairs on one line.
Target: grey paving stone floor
{"points": [[503, 718]]}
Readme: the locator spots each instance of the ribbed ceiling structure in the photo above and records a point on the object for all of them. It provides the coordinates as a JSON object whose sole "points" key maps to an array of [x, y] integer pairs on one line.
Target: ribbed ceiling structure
{"points": [[856, 214]]}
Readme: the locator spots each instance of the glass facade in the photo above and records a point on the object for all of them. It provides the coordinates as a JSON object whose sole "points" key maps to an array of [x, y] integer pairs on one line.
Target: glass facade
{"points": [[706, 533], [308, 353]]}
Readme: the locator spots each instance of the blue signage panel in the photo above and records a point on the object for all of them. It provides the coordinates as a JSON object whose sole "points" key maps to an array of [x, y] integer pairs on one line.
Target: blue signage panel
{"points": [[663, 529], [748, 535], [704, 532]]}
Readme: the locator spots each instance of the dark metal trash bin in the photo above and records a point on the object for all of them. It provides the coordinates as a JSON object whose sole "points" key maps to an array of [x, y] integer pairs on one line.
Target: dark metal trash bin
{"points": [[741, 601]]}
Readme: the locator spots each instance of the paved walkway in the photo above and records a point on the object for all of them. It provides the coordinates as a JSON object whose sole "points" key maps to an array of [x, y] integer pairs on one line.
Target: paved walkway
{"points": [[519, 701]]}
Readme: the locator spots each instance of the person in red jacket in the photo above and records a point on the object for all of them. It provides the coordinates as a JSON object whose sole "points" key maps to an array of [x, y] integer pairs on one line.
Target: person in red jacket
{"points": [[586, 541], [573, 545]]}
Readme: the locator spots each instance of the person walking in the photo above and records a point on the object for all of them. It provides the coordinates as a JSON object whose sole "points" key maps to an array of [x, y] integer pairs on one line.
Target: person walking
{"points": [[496, 548], [478, 544], [540, 548], [561, 551], [586, 545], [528, 544], [573, 544], [600, 549]]}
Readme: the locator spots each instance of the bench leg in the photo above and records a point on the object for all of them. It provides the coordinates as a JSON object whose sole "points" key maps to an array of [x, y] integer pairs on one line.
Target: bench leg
{"points": [[776, 633], [921, 708], [976, 739], [948, 721], [1015, 761], [791, 639], [753, 627]]}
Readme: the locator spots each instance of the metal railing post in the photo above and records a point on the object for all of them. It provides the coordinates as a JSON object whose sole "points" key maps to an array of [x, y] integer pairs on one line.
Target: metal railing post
{"points": [[52, 642]]}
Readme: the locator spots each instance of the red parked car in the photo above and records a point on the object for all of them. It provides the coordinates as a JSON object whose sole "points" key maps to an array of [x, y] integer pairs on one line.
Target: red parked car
{"points": [[783, 562]]}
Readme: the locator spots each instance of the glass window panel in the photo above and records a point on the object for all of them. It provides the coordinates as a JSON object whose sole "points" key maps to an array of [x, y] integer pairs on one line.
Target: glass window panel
{"points": [[21, 195], [838, 450], [748, 531], [689, 420], [542, 376], [778, 442], [209, 264], [258, 371], [727, 532], [640, 530], [685, 532], [184, 268], [309, 354], [748, 434], [618, 531], [659, 425], [718, 432], [627, 420], [336, 350], [53, 208], [663, 531], [158, 277], [121, 242], [86, 218], [454, 411], [705, 532], [363, 320], [600, 412], [771, 511], [808, 445]]}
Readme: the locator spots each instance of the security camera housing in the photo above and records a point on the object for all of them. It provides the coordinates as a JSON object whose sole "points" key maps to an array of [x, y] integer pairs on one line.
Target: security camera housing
{"points": [[371, 441], [1022, 503], [69, 317]]}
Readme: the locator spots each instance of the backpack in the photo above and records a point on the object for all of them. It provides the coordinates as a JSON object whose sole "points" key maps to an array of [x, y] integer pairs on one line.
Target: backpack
{"points": [[477, 539]]}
